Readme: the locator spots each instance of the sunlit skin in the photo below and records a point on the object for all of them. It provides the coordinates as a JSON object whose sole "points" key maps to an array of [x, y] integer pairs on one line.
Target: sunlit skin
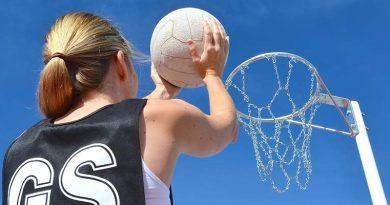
{"points": [[170, 127]]}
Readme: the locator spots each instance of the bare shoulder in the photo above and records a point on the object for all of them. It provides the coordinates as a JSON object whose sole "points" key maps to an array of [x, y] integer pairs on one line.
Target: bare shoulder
{"points": [[156, 108], [187, 128]]}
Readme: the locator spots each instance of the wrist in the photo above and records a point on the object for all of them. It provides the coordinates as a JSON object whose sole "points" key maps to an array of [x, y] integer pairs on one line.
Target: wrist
{"points": [[211, 77], [162, 93], [166, 92]]}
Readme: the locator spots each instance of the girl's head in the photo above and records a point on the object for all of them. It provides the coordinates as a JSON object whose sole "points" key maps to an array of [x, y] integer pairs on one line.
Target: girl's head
{"points": [[83, 53]]}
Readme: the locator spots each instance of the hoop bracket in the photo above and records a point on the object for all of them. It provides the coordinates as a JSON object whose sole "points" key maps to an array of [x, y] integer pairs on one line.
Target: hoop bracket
{"points": [[344, 103]]}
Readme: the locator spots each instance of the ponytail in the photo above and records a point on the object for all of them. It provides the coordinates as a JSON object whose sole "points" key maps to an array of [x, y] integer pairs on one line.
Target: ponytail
{"points": [[77, 52], [55, 91]]}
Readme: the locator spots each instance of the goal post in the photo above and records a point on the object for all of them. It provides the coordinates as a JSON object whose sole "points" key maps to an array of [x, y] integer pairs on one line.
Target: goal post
{"points": [[281, 149], [367, 158]]}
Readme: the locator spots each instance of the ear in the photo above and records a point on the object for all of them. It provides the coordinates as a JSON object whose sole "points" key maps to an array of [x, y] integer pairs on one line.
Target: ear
{"points": [[121, 66]]}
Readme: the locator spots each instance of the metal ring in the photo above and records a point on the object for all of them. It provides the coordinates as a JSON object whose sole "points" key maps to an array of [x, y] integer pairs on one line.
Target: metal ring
{"points": [[269, 55]]}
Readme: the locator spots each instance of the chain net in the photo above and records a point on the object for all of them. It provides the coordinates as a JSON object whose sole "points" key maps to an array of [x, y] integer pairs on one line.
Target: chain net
{"points": [[283, 151]]}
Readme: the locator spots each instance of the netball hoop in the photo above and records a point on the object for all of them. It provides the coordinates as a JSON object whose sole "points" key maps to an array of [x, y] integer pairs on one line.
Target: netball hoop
{"points": [[280, 122]]}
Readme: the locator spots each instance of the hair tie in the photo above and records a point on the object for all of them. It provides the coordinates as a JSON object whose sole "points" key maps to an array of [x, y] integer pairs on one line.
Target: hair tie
{"points": [[57, 55]]}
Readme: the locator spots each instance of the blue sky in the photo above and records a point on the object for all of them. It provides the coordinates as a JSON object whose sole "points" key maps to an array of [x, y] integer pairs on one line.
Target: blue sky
{"points": [[347, 40]]}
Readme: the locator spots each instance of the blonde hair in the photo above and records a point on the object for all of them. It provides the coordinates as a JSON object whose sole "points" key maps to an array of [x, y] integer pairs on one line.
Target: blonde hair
{"points": [[77, 52]]}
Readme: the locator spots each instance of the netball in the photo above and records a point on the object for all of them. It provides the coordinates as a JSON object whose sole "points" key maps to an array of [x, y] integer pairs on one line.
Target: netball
{"points": [[169, 49]]}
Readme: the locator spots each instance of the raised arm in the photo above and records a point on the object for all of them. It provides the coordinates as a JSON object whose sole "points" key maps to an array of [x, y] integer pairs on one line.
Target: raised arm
{"points": [[194, 132]]}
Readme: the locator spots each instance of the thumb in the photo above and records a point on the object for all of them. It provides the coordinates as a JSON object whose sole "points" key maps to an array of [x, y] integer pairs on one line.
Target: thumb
{"points": [[194, 53]]}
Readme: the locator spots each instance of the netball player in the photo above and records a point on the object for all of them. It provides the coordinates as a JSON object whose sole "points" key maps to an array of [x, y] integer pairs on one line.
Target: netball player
{"points": [[98, 143]]}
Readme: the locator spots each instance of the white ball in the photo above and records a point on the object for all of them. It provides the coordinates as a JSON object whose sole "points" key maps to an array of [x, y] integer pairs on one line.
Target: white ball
{"points": [[169, 49]]}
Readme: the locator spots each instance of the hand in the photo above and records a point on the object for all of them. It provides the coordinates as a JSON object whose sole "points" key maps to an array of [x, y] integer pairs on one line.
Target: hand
{"points": [[157, 79], [215, 49], [164, 89]]}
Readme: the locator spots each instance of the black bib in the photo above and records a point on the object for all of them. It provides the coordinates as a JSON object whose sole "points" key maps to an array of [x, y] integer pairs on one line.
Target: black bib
{"points": [[94, 160]]}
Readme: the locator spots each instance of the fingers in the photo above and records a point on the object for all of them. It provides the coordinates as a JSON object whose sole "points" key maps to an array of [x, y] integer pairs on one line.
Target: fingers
{"points": [[223, 37], [208, 35], [221, 30], [152, 66], [217, 36], [154, 75], [153, 71], [194, 53]]}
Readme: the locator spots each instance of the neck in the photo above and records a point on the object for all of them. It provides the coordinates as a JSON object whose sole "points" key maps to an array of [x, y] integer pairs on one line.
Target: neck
{"points": [[98, 99], [88, 103]]}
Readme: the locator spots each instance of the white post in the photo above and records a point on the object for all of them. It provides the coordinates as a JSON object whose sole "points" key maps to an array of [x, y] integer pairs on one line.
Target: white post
{"points": [[367, 157]]}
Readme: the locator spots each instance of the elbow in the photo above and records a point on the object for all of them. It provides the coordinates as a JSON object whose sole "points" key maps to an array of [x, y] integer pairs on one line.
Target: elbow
{"points": [[210, 151], [226, 132], [213, 145], [229, 127], [222, 130], [223, 140]]}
